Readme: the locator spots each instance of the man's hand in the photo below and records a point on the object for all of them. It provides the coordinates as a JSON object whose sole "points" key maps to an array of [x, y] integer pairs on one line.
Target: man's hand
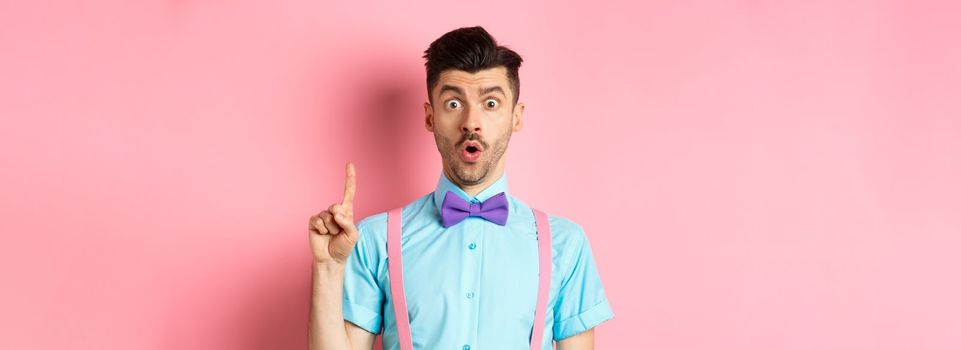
{"points": [[332, 237], [332, 231]]}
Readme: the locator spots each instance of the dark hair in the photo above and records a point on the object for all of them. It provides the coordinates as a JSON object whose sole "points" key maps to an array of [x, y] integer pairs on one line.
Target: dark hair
{"points": [[470, 49]]}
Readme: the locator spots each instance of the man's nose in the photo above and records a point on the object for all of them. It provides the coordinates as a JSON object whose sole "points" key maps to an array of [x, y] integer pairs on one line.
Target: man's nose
{"points": [[472, 120]]}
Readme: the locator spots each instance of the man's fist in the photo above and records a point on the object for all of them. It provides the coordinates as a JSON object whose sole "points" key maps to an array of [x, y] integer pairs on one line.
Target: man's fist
{"points": [[332, 231]]}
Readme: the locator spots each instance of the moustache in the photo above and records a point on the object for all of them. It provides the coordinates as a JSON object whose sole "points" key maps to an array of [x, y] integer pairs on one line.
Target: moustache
{"points": [[471, 136]]}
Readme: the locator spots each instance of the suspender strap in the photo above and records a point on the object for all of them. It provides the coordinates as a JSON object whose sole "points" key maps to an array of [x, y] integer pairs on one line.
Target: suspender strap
{"points": [[395, 269], [544, 276]]}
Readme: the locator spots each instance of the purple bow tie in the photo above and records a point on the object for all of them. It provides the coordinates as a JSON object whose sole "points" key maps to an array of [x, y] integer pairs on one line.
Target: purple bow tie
{"points": [[455, 209]]}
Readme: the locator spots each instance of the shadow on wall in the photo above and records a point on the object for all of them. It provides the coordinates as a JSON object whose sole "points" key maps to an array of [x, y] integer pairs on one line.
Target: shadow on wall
{"points": [[380, 113]]}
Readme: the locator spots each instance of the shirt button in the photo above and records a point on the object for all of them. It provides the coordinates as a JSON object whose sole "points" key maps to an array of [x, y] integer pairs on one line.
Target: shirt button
{"points": [[466, 347], [472, 246], [470, 295]]}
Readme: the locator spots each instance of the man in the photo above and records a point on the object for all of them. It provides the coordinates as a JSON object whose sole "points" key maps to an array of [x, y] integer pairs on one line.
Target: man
{"points": [[470, 283]]}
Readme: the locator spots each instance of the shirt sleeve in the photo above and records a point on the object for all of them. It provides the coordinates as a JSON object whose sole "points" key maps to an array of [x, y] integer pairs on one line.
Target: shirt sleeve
{"points": [[581, 302], [363, 295]]}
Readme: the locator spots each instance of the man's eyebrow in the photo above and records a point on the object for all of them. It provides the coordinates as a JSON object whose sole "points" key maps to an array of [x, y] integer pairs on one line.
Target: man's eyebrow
{"points": [[490, 89], [446, 87]]}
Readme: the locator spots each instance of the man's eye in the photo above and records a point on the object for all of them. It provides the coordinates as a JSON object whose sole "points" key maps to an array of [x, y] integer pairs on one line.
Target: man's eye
{"points": [[491, 103], [452, 104]]}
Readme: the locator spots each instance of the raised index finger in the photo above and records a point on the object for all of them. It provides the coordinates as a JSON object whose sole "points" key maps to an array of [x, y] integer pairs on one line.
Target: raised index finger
{"points": [[350, 186]]}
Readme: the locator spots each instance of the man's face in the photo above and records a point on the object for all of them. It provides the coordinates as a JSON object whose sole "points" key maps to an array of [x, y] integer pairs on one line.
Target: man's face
{"points": [[472, 118]]}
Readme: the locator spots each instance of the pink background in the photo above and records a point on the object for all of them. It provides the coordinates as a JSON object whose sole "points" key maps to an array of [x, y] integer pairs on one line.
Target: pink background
{"points": [[751, 174]]}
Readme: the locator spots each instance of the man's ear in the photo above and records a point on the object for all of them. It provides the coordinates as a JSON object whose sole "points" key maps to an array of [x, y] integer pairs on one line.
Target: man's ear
{"points": [[428, 116], [518, 116]]}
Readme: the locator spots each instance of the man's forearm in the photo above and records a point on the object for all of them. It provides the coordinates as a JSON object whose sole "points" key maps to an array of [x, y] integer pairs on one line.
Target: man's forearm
{"points": [[326, 309]]}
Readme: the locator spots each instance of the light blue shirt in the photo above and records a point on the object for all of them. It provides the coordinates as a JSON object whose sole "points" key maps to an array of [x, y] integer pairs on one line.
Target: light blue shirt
{"points": [[473, 285]]}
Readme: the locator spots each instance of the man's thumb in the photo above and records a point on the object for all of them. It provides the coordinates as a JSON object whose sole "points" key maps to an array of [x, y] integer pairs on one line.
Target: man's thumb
{"points": [[348, 225]]}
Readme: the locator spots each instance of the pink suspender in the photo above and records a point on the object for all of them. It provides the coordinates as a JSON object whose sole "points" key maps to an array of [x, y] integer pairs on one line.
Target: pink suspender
{"points": [[395, 270], [544, 276]]}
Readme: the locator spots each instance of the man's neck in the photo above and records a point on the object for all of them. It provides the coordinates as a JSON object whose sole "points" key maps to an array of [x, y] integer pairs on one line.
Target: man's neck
{"points": [[473, 190]]}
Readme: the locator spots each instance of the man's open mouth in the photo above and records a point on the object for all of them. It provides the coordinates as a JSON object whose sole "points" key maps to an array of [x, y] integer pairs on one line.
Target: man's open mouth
{"points": [[471, 152]]}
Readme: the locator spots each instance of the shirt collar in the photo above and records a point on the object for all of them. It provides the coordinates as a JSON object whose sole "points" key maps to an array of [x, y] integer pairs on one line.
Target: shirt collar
{"points": [[444, 184]]}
